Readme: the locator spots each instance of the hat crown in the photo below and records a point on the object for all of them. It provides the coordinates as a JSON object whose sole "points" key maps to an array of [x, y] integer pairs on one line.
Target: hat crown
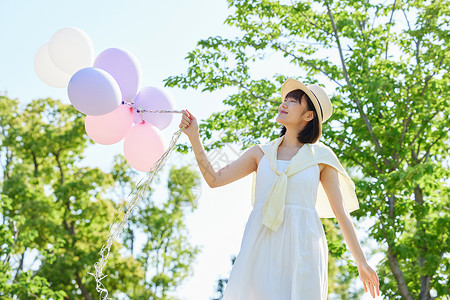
{"points": [[323, 100]]}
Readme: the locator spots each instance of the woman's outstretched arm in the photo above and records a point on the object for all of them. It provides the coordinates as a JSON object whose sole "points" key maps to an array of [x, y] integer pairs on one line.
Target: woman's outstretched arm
{"points": [[239, 168], [330, 183]]}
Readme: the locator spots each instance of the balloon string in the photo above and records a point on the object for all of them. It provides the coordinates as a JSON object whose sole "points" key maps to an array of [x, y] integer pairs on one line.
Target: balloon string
{"points": [[116, 229], [131, 104]]}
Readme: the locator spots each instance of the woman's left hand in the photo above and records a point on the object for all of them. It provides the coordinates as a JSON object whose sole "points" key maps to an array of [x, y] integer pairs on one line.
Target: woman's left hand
{"points": [[369, 278]]}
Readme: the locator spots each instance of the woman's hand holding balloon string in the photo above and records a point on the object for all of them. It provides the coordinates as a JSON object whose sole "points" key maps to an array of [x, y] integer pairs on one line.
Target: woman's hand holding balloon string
{"points": [[189, 122]]}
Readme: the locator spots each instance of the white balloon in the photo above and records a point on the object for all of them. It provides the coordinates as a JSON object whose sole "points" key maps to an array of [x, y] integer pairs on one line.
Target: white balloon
{"points": [[71, 49], [47, 71]]}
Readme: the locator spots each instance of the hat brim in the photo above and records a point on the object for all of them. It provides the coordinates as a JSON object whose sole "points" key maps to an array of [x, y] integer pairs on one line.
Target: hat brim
{"points": [[292, 84]]}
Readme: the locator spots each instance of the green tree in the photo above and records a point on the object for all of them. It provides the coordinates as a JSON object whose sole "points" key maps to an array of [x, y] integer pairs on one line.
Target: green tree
{"points": [[59, 214], [25, 284], [386, 68], [58, 211], [159, 226]]}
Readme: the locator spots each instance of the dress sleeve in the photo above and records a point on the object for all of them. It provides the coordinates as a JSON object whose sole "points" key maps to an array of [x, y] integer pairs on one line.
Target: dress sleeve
{"points": [[325, 155]]}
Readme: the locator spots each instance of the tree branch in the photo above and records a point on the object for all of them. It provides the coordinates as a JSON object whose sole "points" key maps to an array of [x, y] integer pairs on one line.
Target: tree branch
{"points": [[398, 274], [306, 62], [393, 263], [390, 21], [358, 103], [414, 154], [358, 150], [406, 121], [8, 160], [56, 154], [40, 268], [417, 52], [238, 83], [71, 228], [427, 79], [424, 279], [361, 26], [392, 256], [427, 153], [406, 18], [308, 19], [16, 233], [338, 42], [84, 290], [20, 268], [36, 165], [317, 44]]}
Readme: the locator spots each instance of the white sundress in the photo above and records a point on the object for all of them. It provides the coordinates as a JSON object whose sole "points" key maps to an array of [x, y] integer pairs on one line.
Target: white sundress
{"points": [[291, 263]]}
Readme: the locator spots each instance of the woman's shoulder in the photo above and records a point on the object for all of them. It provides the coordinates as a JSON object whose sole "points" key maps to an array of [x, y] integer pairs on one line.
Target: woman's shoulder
{"points": [[321, 150]]}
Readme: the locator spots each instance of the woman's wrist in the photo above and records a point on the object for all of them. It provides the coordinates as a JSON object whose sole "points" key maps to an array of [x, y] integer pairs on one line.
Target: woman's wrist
{"points": [[194, 136], [361, 263]]}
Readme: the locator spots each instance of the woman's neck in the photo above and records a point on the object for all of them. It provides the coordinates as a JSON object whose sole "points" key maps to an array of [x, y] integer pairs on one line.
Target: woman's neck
{"points": [[290, 140]]}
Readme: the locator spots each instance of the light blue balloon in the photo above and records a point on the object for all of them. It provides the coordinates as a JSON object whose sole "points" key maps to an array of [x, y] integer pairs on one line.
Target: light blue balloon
{"points": [[124, 67], [94, 92], [154, 98]]}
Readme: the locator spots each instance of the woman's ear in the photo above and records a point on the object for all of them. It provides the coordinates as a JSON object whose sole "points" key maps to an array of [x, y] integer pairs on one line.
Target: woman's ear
{"points": [[309, 115]]}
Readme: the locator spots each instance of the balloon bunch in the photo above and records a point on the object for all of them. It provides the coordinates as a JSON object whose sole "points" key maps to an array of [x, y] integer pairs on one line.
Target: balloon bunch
{"points": [[106, 90]]}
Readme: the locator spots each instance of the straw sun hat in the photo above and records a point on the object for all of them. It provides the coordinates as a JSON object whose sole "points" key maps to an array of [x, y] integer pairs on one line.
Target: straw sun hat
{"points": [[316, 93]]}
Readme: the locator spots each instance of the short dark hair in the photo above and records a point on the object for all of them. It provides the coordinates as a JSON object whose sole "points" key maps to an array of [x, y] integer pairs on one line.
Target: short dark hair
{"points": [[310, 133]]}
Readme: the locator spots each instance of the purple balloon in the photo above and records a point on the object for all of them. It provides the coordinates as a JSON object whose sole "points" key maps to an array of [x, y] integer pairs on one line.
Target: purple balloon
{"points": [[94, 92], [125, 69], [153, 98]]}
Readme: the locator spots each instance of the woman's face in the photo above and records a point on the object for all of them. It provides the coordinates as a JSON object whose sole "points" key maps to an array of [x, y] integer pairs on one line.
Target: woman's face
{"points": [[292, 113]]}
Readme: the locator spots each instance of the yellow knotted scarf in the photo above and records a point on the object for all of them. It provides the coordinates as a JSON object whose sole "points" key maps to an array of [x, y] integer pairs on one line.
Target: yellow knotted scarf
{"points": [[308, 155]]}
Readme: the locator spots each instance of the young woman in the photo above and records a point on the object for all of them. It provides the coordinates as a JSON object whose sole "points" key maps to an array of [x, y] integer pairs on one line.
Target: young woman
{"points": [[284, 253]]}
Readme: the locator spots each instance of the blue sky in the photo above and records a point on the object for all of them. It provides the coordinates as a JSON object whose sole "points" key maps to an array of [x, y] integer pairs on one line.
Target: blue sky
{"points": [[159, 34]]}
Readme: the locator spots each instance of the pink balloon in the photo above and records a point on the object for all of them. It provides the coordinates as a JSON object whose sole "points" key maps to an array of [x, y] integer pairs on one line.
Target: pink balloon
{"points": [[143, 146], [110, 128], [154, 98]]}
